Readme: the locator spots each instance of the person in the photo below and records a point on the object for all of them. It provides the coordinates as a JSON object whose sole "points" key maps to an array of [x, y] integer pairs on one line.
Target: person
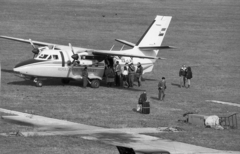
{"points": [[109, 76], [125, 77], [85, 77], [131, 72], [182, 75], [118, 72], [188, 76], [142, 99], [161, 89], [139, 73]]}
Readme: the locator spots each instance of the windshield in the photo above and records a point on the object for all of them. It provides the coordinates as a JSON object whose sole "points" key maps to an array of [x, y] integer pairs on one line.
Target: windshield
{"points": [[43, 56]]}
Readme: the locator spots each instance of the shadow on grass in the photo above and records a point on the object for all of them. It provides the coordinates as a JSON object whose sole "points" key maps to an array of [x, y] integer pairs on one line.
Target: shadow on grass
{"points": [[57, 82], [145, 79], [7, 71], [103, 84], [176, 84], [155, 98], [49, 82], [135, 110]]}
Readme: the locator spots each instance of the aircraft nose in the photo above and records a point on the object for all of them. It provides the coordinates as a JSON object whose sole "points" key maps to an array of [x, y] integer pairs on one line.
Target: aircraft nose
{"points": [[16, 69], [26, 62]]}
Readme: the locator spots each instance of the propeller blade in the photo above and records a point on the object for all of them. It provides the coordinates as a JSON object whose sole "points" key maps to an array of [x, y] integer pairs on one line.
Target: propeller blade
{"points": [[70, 45], [32, 44]]}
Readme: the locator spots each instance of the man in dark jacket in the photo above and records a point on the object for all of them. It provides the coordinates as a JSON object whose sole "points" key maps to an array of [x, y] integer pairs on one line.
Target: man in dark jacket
{"points": [[85, 77], [139, 73], [142, 99], [161, 89], [131, 73], [182, 75], [118, 72], [110, 75], [188, 76]]}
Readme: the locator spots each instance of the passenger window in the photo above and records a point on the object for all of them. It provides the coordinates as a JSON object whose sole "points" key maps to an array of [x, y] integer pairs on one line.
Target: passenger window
{"points": [[55, 57], [50, 57]]}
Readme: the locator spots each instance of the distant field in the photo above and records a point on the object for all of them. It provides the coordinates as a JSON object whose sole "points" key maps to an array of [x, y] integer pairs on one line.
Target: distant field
{"points": [[206, 34]]}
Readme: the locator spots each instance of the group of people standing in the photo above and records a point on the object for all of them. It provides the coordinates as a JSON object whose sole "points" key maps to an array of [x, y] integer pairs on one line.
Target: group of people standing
{"points": [[185, 74], [124, 77]]}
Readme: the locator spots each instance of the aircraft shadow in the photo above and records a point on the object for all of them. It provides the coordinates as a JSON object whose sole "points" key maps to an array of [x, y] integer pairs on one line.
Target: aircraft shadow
{"points": [[22, 83], [176, 84], [7, 71], [57, 82], [50, 82], [103, 84]]}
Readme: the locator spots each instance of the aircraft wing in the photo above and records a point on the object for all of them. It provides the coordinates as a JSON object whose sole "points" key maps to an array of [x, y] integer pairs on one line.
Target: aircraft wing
{"points": [[26, 41], [126, 141], [78, 49]]}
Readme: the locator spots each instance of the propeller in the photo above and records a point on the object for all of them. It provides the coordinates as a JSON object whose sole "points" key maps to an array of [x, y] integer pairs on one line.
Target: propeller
{"points": [[35, 49], [74, 56]]}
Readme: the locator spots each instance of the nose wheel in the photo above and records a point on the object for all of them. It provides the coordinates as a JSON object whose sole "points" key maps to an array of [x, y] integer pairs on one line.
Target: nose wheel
{"points": [[38, 82]]}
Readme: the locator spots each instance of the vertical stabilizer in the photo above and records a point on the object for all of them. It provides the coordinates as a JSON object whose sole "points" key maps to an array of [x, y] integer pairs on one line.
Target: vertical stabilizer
{"points": [[156, 32], [154, 35]]}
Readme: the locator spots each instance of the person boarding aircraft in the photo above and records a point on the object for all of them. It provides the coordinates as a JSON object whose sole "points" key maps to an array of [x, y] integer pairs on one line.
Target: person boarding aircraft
{"points": [[59, 61]]}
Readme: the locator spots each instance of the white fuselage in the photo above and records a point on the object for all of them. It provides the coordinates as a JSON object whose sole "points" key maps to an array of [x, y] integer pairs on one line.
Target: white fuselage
{"points": [[54, 63]]}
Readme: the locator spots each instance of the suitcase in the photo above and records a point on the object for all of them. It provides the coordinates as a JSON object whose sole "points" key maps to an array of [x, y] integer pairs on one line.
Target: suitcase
{"points": [[146, 108]]}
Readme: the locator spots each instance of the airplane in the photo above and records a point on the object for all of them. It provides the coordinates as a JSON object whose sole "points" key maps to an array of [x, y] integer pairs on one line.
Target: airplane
{"points": [[67, 62], [127, 140]]}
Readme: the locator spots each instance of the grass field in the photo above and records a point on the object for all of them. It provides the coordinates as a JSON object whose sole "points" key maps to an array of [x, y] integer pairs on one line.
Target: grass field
{"points": [[206, 34]]}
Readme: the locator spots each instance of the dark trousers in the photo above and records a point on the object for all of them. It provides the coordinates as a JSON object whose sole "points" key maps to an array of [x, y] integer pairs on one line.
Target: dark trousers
{"points": [[118, 79], [184, 81], [139, 79], [125, 80], [131, 79], [85, 82], [161, 94]]}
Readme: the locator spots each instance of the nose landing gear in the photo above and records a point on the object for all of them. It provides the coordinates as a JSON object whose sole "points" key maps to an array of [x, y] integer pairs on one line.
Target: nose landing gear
{"points": [[38, 82]]}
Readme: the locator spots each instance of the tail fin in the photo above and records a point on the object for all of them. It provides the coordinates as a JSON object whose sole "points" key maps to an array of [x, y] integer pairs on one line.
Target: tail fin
{"points": [[154, 35]]}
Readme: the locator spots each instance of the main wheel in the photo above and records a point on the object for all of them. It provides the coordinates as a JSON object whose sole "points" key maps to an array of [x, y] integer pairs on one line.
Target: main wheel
{"points": [[39, 84], [95, 83], [65, 81]]}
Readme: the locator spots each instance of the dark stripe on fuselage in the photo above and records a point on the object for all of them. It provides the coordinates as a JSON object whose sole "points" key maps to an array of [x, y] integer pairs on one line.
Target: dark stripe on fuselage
{"points": [[63, 61], [26, 62], [139, 41]]}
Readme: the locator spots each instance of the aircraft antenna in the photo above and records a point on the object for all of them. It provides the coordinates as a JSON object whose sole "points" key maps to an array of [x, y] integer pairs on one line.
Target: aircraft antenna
{"points": [[112, 47], [122, 47]]}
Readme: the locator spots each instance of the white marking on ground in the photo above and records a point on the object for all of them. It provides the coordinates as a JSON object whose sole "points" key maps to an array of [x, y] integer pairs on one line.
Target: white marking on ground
{"points": [[226, 103]]}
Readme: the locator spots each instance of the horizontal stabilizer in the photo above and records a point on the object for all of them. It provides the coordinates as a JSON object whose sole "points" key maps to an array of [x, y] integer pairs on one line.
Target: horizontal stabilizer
{"points": [[156, 48], [125, 42]]}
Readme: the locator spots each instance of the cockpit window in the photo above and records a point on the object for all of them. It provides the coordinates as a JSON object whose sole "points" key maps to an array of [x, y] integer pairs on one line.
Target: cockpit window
{"points": [[50, 57], [43, 56], [55, 57]]}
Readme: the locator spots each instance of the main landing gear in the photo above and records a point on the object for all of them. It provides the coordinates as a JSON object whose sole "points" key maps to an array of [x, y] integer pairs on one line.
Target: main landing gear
{"points": [[95, 83]]}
